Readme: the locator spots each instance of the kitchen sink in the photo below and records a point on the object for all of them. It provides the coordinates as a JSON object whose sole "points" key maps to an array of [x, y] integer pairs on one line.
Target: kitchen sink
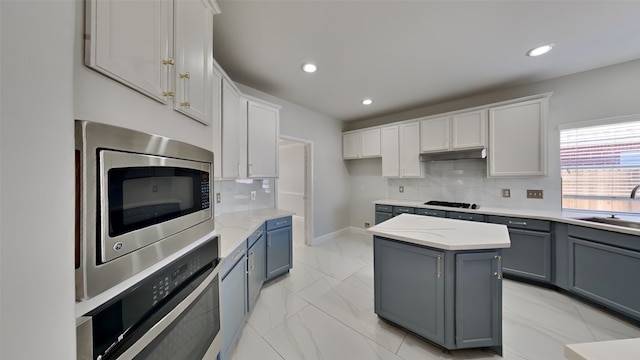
{"points": [[614, 221]]}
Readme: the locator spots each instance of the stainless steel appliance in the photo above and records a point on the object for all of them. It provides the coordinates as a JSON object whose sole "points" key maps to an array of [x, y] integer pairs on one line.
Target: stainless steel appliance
{"points": [[453, 204], [172, 314], [140, 198]]}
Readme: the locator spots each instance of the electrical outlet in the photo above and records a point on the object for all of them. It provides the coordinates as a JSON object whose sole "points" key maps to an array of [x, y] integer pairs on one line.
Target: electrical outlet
{"points": [[401, 189], [534, 194], [367, 225], [253, 195], [506, 193], [217, 198]]}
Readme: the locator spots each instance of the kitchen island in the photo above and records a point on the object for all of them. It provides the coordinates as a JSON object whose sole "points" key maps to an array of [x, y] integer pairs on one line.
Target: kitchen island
{"points": [[441, 279]]}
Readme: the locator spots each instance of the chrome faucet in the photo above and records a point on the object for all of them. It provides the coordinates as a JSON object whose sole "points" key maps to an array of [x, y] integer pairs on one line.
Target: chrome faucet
{"points": [[633, 192]]}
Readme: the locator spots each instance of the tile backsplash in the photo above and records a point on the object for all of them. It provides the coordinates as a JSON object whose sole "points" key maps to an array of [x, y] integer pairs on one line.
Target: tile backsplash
{"points": [[466, 181], [235, 195]]}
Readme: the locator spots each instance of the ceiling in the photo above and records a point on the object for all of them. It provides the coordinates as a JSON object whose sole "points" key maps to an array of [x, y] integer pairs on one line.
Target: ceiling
{"points": [[410, 54]]}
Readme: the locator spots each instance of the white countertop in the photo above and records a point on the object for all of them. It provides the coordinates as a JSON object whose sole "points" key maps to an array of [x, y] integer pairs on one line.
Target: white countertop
{"points": [[234, 228], [441, 233], [567, 217], [604, 350]]}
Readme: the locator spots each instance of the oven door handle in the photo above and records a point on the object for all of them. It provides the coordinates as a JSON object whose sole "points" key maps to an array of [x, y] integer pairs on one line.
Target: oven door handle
{"points": [[168, 319]]}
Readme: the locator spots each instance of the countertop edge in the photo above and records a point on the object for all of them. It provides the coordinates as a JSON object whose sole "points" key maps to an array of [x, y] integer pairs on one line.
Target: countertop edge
{"points": [[533, 214]]}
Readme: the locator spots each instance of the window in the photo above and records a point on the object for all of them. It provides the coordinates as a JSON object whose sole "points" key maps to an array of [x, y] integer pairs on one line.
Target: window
{"points": [[600, 166]]}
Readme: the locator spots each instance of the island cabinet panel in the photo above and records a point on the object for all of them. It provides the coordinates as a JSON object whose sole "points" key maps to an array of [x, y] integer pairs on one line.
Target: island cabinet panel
{"points": [[478, 300], [530, 254], [409, 287]]}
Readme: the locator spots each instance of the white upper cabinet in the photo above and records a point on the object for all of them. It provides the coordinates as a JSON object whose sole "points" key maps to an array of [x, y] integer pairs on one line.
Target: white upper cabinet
{"points": [[454, 132], [390, 151], [132, 42], [518, 139], [161, 48], [469, 130], [230, 137], [216, 118], [434, 134], [262, 139], [360, 144], [401, 151], [193, 59]]}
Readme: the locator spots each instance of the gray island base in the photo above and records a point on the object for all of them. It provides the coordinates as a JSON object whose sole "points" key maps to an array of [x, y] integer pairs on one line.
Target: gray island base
{"points": [[441, 279]]}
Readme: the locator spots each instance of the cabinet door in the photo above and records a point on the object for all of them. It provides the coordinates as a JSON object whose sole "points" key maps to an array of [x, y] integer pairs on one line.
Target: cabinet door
{"points": [[410, 150], [193, 59], [469, 130], [409, 287], [216, 119], [129, 40], [518, 139], [233, 305], [605, 274], [434, 134], [529, 255], [257, 267], [351, 145], [230, 131], [279, 251], [382, 216], [478, 300], [370, 143], [390, 152], [262, 140]]}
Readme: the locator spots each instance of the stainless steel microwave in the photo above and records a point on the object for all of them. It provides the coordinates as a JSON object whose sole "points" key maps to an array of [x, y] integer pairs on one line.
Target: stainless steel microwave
{"points": [[139, 198]]}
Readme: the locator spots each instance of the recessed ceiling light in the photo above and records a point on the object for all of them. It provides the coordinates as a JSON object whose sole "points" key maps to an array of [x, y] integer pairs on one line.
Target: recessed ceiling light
{"points": [[367, 102], [309, 67], [540, 50]]}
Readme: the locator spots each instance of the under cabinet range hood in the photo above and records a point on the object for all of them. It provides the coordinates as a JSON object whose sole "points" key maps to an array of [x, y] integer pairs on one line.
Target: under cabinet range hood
{"points": [[479, 153]]}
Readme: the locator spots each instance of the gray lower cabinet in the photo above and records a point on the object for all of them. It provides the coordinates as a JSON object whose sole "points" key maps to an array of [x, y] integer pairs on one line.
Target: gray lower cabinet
{"points": [[414, 286], [409, 287], [279, 247], [397, 210], [256, 269], [382, 216], [605, 274], [233, 294], [530, 254]]}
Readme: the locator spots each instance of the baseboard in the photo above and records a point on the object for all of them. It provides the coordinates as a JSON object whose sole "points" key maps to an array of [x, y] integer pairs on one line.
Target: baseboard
{"points": [[335, 234]]}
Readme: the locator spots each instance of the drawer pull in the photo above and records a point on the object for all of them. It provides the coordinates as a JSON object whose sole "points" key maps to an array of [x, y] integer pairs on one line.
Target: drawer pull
{"points": [[523, 223], [236, 256], [439, 272]]}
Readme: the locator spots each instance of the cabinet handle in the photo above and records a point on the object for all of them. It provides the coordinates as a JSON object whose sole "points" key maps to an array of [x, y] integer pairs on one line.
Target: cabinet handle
{"points": [[249, 170], [497, 274], [168, 77], [258, 234], [439, 271], [524, 223], [237, 255], [185, 89]]}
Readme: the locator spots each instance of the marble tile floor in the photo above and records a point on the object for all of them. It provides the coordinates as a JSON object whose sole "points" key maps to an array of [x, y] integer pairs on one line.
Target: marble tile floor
{"points": [[323, 309]]}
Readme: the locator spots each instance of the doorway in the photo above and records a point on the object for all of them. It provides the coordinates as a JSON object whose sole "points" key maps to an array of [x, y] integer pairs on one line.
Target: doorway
{"points": [[294, 190]]}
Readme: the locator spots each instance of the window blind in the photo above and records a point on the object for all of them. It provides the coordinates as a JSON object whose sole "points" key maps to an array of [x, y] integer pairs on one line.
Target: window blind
{"points": [[600, 165]]}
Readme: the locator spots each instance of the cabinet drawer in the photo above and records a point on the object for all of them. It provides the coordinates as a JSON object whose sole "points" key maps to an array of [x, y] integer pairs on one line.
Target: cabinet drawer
{"points": [[465, 216], [278, 223], [384, 208], [627, 241], [236, 255], [256, 235], [520, 223], [431, 212], [397, 210]]}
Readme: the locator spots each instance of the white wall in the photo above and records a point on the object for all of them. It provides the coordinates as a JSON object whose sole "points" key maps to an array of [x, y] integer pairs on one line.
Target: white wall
{"points": [[330, 180], [600, 93], [36, 162], [291, 179]]}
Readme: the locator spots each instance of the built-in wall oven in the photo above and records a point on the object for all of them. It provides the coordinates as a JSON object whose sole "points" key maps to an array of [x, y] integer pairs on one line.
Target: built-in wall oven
{"points": [[173, 314], [140, 198]]}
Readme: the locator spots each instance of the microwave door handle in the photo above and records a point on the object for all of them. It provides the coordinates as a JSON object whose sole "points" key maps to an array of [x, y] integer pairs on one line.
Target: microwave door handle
{"points": [[168, 319]]}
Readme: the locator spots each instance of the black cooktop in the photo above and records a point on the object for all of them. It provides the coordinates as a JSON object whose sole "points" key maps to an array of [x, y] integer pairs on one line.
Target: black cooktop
{"points": [[452, 204]]}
